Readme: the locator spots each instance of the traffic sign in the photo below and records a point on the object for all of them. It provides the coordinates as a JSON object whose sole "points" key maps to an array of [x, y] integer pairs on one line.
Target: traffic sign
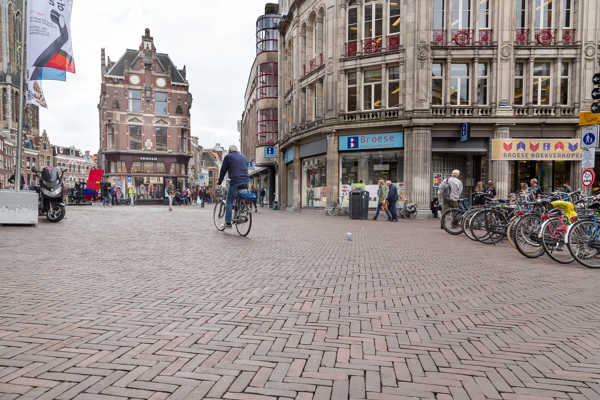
{"points": [[588, 118], [588, 177], [589, 136], [588, 158]]}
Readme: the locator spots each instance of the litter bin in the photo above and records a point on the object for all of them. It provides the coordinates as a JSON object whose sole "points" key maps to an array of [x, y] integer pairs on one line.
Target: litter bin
{"points": [[358, 207]]}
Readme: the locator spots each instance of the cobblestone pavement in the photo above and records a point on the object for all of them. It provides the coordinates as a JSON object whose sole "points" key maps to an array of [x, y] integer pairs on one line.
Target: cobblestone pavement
{"points": [[141, 303]]}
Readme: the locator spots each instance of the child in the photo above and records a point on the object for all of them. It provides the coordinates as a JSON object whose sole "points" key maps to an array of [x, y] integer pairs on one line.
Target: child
{"points": [[435, 207]]}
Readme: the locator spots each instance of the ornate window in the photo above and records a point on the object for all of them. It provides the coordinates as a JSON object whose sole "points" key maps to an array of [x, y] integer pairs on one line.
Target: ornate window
{"points": [[372, 89], [161, 138], [437, 84], [519, 86], [135, 100], [352, 32], [564, 83], [373, 23], [459, 84], [542, 84], [482, 83], [352, 92], [135, 137], [160, 103], [393, 86]]}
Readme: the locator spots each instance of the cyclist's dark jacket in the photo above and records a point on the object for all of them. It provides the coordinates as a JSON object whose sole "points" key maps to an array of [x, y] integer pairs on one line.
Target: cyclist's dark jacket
{"points": [[237, 166]]}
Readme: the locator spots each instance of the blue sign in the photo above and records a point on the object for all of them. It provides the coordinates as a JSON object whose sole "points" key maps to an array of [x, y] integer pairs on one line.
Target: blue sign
{"points": [[270, 152], [288, 156], [589, 139], [465, 132], [392, 140]]}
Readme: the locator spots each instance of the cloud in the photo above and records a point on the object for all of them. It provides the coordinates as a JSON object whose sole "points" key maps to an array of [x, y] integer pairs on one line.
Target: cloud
{"points": [[214, 39]]}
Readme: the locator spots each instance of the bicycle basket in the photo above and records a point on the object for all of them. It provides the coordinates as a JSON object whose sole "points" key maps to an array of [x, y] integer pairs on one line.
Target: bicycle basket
{"points": [[247, 195]]}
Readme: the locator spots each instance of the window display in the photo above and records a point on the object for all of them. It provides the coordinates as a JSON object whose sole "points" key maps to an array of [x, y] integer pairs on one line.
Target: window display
{"points": [[314, 182]]}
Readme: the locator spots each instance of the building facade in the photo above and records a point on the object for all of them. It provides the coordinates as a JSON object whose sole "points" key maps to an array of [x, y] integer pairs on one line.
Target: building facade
{"points": [[259, 124], [410, 90], [144, 127], [77, 164]]}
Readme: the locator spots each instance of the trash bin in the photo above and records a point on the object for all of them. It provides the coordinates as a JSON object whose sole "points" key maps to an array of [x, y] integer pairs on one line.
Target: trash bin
{"points": [[358, 207]]}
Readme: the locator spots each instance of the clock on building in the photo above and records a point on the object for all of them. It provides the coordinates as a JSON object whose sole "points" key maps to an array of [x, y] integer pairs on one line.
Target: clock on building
{"points": [[134, 79], [161, 82]]}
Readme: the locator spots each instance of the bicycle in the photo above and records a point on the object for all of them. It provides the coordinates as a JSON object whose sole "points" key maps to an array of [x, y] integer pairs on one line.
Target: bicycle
{"points": [[337, 210], [242, 214]]}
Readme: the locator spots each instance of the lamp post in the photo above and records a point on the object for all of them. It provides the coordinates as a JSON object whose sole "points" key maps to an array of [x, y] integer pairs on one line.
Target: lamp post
{"points": [[21, 49]]}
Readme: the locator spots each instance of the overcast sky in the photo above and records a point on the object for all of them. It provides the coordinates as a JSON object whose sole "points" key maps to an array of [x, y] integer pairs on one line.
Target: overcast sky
{"points": [[214, 39]]}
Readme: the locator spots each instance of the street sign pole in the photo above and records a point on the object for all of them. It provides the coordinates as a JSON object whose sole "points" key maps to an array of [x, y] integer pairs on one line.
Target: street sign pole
{"points": [[19, 155]]}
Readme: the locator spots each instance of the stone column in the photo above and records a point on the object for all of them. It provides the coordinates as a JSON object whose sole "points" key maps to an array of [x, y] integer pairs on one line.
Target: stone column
{"points": [[500, 169], [283, 174], [576, 169], [333, 164], [529, 83], [417, 167], [297, 185]]}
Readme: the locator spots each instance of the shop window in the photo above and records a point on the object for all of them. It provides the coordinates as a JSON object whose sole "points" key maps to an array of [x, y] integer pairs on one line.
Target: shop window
{"points": [[484, 13], [160, 103], [521, 14], [372, 89], [314, 182], [541, 84], [459, 84], [564, 83], [394, 86], [352, 91], [461, 14], [437, 84], [267, 80], [519, 79], [135, 137], [135, 100], [161, 138], [567, 10], [482, 83], [543, 14]]}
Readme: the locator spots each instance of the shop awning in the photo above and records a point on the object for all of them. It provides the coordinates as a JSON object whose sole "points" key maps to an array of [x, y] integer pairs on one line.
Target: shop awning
{"points": [[257, 171], [454, 146]]}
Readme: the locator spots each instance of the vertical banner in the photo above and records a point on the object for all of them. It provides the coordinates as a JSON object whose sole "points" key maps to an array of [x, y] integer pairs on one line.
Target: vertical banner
{"points": [[49, 45], [35, 95]]}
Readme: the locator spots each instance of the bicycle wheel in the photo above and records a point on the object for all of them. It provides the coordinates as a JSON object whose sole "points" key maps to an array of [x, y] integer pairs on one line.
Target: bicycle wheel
{"points": [[496, 226], [583, 241], [452, 221], [243, 223], [526, 236], [552, 235], [219, 215], [467, 223], [477, 226], [510, 231]]}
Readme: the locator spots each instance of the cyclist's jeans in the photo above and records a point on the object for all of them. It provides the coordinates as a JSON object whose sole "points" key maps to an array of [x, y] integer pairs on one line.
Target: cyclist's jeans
{"points": [[231, 197]]}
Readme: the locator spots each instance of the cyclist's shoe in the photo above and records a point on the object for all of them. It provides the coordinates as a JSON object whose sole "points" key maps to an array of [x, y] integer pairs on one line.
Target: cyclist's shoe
{"points": [[228, 225]]}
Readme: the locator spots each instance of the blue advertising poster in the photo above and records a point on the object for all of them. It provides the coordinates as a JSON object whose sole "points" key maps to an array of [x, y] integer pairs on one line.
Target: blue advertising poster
{"points": [[270, 152], [392, 140]]}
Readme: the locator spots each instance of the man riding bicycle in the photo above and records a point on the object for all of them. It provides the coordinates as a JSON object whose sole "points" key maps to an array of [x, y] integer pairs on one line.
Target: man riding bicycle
{"points": [[236, 165]]}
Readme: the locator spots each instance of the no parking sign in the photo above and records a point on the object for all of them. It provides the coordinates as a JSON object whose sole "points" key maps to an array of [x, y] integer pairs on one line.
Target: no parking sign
{"points": [[588, 177]]}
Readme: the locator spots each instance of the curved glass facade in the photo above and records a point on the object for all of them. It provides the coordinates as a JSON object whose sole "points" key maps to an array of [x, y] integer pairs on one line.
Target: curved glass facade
{"points": [[267, 32]]}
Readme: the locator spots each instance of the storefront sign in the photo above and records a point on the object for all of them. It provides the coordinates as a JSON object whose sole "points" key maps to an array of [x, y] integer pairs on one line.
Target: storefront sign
{"points": [[288, 156], [270, 152], [146, 158], [588, 118], [370, 142], [536, 149]]}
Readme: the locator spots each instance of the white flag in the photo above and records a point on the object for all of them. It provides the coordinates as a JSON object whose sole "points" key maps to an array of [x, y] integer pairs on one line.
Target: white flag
{"points": [[49, 44], [35, 95]]}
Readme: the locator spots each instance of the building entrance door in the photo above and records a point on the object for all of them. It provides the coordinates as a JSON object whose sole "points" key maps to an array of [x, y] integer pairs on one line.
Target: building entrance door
{"points": [[551, 175]]}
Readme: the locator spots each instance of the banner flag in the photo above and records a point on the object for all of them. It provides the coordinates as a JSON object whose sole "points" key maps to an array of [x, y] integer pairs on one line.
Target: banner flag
{"points": [[35, 95], [51, 74], [49, 44]]}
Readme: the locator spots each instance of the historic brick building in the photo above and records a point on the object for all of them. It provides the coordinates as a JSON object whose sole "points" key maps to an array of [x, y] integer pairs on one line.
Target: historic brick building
{"points": [[144, 127]]}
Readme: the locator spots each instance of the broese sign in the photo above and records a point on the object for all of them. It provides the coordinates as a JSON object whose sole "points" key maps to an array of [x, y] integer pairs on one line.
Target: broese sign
{"points": [[368, 142]]}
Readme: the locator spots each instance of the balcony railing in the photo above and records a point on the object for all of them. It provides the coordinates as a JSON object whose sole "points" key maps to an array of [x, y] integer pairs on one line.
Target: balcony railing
{"points": [[372, 115], [461, 111], [545, 111], [372, 46], [315, 63], [462, 37], [267, 139], [545, 37]]}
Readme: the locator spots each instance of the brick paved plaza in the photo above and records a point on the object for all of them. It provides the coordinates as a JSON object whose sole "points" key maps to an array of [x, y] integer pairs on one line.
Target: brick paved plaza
{"points": [[139, 303]]}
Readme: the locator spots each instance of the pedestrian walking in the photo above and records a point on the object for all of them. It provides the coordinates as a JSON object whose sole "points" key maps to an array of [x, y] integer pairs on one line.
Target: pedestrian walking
{"points": [[106, 196], [392, 199], [254, 202], [131, 196], [382, 193], [169, 192], [263, 193], [451, 189]]}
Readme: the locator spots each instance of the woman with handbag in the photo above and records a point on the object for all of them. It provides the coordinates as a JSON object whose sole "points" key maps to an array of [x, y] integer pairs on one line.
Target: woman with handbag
{"points": [[382, 194]]}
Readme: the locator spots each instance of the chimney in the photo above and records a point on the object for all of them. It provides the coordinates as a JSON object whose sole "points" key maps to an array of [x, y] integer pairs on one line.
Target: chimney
{"points": [[271, 8], [103, 60]]}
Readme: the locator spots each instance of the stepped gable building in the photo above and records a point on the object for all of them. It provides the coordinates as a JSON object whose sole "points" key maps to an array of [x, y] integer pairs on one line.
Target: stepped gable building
{"points": [[144, 130], [410, 90]]}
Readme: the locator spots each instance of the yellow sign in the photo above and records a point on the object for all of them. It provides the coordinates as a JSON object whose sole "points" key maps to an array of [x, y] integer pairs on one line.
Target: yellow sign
{"points": [[536, 149], [588, 118]]}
